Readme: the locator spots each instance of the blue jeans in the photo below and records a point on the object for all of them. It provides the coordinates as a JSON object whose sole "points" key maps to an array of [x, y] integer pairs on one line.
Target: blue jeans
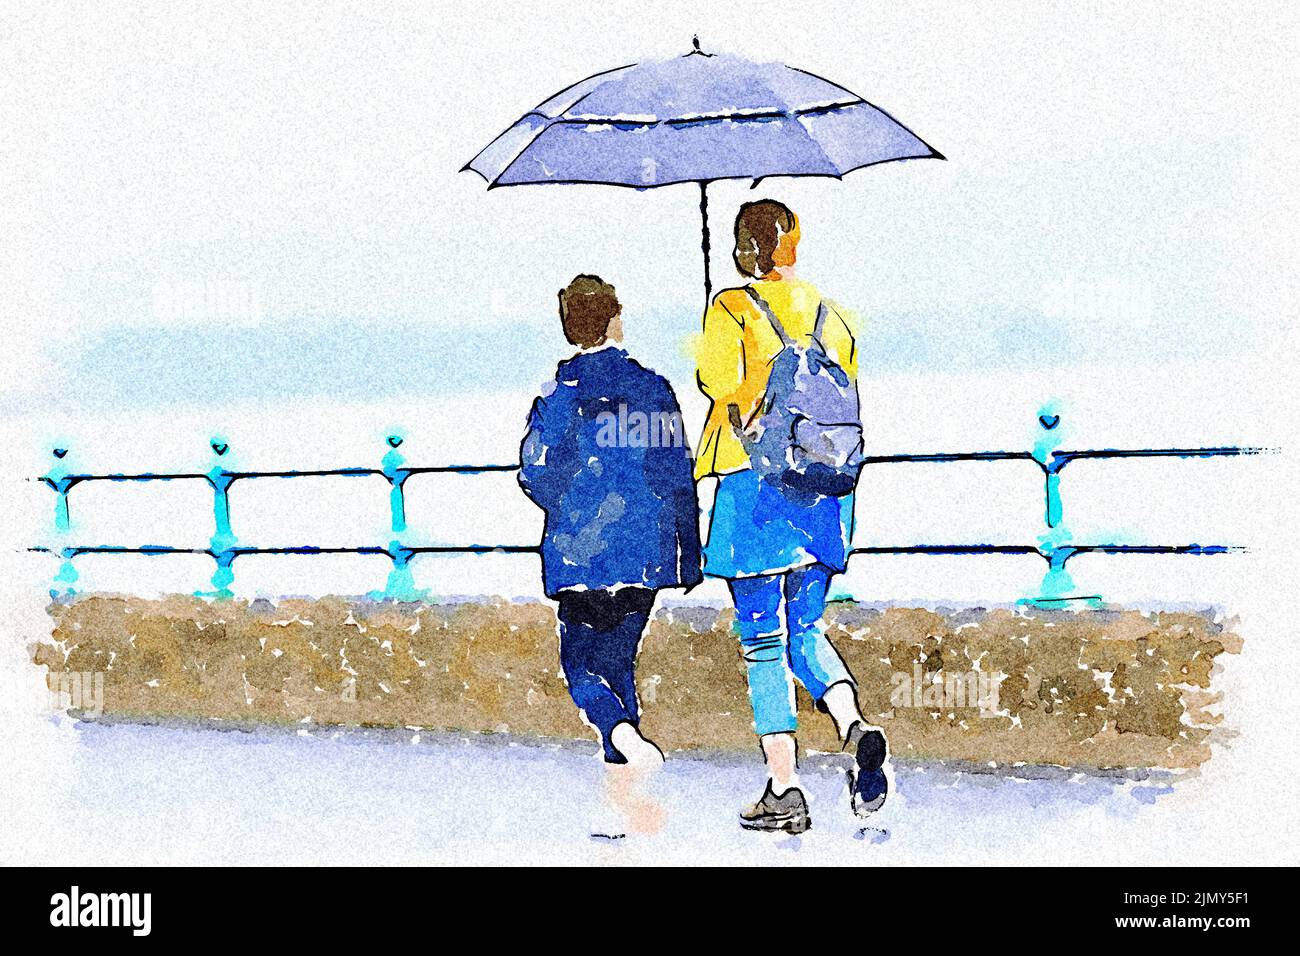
{"points": [[776, 656], [600, 634]]}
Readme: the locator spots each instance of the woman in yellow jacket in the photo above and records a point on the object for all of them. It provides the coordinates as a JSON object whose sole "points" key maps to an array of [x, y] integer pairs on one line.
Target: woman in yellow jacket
{"points": [[773, 550]]}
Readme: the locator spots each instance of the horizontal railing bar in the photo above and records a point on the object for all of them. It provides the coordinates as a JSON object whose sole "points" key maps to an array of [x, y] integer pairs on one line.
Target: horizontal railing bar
{"points": [[69, 480], [476, 549], [1154, 548], [949, 549], [950, 456], [457, 469], [304, 549], [72, 551], [1067, 550], [311, 473], [1060, 458], [1058, 461]]}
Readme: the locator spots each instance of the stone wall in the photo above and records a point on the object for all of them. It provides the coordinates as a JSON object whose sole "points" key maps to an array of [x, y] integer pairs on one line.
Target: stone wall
{"points": [[1106, 688]]}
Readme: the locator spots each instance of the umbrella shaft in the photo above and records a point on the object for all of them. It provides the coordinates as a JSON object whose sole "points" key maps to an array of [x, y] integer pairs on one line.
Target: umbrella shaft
{"points": [[704, 245]]}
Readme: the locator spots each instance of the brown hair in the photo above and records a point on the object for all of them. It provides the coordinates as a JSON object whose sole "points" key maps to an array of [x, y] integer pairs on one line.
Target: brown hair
{"points": [[759, 227], [587, 306]]}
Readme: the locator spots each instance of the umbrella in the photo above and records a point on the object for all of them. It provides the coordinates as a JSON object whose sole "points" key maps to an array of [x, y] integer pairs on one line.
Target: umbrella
{"points": [[695, 119]]}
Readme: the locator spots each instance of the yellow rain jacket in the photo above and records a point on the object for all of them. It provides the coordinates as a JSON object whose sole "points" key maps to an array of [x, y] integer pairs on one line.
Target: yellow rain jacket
{"points": [[734, 358]]}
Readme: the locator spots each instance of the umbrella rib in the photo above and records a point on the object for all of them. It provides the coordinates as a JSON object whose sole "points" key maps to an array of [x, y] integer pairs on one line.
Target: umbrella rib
{"points": [[574, 86], [590, 91], [807, 134], [817, 76], [884, 112], [647, 124], [549, 120], [758, 115], [641, 187], [470, 165], [795, 115], [519, 155], [934, 153]]}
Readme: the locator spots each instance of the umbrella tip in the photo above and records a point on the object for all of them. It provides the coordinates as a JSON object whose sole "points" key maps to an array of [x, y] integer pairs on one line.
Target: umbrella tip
{"points": [[695, 44]]}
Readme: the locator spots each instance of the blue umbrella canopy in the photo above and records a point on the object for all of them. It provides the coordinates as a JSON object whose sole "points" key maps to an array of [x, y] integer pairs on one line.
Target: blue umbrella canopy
{"points": [[696, 118]]}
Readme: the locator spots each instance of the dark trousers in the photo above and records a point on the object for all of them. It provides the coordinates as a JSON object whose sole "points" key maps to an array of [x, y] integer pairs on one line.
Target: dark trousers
{"points": [[600, 633]]}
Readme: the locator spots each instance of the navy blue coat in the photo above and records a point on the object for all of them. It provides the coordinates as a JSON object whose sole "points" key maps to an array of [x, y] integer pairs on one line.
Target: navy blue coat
{"points": [[606, 458]]}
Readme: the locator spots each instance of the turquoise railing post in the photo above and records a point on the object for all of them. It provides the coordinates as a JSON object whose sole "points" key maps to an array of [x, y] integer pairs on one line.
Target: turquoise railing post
{"points": [[1057, 588], [1049, 440], [396, 475], [401, 584], [223, 539], [58, 479]]}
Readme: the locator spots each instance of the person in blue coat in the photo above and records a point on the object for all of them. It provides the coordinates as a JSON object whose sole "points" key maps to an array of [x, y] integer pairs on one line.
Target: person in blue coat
{"points": [[606, 458]]}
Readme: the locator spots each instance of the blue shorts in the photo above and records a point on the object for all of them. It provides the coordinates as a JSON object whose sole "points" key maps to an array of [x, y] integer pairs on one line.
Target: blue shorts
{"points": [[754, 529]]}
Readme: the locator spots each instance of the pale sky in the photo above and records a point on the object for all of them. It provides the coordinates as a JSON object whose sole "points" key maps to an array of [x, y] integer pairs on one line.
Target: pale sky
{"points": [[1119, 192]]}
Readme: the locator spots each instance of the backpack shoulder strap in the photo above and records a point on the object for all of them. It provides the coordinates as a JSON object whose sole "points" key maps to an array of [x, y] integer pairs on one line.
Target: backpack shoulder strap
{"points": [[821, 321], [771, 316]]}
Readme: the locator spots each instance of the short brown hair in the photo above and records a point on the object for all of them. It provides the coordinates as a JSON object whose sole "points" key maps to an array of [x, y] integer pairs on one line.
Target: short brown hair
{"points": [[759, 227], [587, 305]]}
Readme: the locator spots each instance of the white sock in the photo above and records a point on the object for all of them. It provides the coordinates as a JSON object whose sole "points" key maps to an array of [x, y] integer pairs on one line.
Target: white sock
{"points": [[780, 790]]}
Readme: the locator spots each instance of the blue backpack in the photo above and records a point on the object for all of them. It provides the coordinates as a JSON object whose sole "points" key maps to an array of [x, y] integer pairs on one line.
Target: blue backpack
{"points": [[806, 437]]}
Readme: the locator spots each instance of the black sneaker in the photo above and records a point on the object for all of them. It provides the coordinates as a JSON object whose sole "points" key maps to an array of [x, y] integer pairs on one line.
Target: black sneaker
{"points": [[788, 812], [868, 785]]}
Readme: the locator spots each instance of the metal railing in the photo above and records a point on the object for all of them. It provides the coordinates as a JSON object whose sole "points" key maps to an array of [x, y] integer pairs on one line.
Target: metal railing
{"points": [[224, 547]]}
